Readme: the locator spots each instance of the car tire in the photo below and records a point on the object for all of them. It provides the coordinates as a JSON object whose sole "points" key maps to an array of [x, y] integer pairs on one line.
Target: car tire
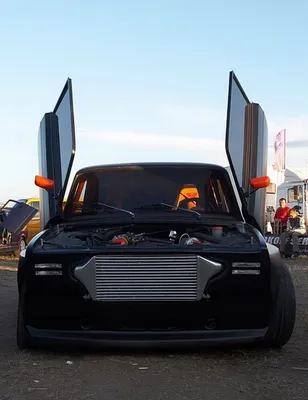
{"points": [[22, 336], [22, 244], [283, 315]]}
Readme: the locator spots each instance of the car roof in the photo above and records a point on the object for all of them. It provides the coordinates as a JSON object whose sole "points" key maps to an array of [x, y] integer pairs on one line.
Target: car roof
{"points": [[33, 199], [151, 164]]}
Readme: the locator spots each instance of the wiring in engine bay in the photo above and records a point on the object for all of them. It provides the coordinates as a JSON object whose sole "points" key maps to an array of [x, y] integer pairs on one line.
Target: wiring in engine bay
{"points": [[139, 235]]}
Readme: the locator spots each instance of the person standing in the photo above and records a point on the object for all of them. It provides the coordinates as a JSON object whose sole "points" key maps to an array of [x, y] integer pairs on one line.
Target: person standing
{"points": [[281, 213]]}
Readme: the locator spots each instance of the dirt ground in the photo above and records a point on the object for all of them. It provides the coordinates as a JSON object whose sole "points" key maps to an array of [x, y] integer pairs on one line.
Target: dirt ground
{"points": [[217, 374]]}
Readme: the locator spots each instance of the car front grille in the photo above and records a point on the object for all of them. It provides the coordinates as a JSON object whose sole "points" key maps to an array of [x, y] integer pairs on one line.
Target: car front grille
{"points": [[150, 277], [146, 278]]}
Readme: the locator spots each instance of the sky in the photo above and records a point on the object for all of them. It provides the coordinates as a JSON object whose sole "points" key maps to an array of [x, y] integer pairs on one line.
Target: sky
{"points": [[150, 78]]}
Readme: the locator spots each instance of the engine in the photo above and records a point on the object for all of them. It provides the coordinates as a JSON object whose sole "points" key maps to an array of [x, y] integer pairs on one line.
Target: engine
{"points": [[138, 235]]}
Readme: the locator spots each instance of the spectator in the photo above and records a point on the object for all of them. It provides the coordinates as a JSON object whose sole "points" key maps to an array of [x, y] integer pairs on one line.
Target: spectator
{"points": [[295, 227], [281, 213]]}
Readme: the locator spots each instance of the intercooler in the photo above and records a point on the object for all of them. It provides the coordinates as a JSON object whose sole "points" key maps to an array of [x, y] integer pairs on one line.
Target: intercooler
{"points": [[171, 277]]}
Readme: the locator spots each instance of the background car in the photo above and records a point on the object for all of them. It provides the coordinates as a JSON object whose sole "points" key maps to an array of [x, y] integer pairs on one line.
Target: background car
{"points": [[33, 227]]}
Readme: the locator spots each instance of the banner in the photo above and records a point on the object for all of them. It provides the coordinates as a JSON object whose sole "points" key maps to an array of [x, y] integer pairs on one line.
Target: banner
{"points": [[280, 151], [302, 241]]}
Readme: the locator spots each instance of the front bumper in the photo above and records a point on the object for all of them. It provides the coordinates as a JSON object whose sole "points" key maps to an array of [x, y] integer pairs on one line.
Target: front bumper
{"points": [[158, 339], [89, 304]]}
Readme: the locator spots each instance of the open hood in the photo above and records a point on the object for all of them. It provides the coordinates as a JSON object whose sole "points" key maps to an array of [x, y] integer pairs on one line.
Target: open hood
{"points": [[56, 149], [16, 217], [247, 149]]}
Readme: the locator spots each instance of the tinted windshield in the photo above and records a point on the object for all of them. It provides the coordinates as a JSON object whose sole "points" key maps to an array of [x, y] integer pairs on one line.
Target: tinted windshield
{"points": [[132, 188]]}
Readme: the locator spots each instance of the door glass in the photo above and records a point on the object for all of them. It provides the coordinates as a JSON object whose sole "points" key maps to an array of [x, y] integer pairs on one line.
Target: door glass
{"points": [[36, 205], [295, 194], [65, 114], [79, 196], [235, 134]]}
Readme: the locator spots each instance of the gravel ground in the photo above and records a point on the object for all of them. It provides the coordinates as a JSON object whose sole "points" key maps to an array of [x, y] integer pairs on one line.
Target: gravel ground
{"points": [[217, 374]]}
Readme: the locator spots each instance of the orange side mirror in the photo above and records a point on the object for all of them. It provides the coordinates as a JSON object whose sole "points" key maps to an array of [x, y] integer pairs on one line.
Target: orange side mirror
{"points": [[43, 182], [260, 182]]}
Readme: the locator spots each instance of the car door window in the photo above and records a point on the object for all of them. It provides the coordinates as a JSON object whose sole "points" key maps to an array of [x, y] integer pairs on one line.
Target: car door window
{"points": [[36, 205]]}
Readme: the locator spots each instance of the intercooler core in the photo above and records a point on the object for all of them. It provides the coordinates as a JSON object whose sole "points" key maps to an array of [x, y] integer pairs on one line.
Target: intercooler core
{"points": [[143, 278]]}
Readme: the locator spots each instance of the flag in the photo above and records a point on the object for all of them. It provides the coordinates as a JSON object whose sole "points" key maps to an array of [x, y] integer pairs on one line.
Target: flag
{"points": [[280, 150]]}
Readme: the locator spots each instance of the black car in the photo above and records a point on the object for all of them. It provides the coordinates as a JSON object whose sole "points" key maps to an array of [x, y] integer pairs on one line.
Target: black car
{"points": [[154, 254]]}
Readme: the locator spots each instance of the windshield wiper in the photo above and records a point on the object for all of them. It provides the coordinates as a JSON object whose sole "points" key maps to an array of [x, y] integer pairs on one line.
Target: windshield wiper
{"points": [[108, 207], [166, 205]]}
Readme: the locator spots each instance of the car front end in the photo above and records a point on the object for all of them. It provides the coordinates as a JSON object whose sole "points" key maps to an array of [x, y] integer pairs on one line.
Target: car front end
{"points": [[157, 292]]}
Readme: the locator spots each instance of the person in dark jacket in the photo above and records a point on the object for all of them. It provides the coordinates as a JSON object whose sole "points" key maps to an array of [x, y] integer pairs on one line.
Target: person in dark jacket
{"points": [[295, 228]]}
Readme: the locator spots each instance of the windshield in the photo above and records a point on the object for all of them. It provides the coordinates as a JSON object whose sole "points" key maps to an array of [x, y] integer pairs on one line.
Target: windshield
{"points": [[143, 189]]}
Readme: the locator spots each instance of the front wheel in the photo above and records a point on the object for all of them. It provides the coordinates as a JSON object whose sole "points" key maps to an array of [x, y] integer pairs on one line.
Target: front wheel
{"points": [[283, 315]]}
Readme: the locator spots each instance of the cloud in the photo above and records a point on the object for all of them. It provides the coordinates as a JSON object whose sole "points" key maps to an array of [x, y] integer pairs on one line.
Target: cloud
{"points": [[149, 140], [177, 127], [194, 135], [296, 127], [293, 144], [196, 132], [296, 138], [297, 144], [207, 121]]}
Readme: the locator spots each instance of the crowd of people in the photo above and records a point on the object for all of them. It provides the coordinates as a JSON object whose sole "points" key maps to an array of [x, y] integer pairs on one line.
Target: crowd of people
{"points": [[292, 224]]}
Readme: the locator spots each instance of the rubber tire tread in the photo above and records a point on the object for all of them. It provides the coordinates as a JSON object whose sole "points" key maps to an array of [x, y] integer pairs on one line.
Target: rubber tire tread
{"points": [[283, 318]]}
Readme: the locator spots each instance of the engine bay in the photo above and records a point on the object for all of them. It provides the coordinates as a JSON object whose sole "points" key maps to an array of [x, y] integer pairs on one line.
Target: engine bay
{"points": [[155, 235]]}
